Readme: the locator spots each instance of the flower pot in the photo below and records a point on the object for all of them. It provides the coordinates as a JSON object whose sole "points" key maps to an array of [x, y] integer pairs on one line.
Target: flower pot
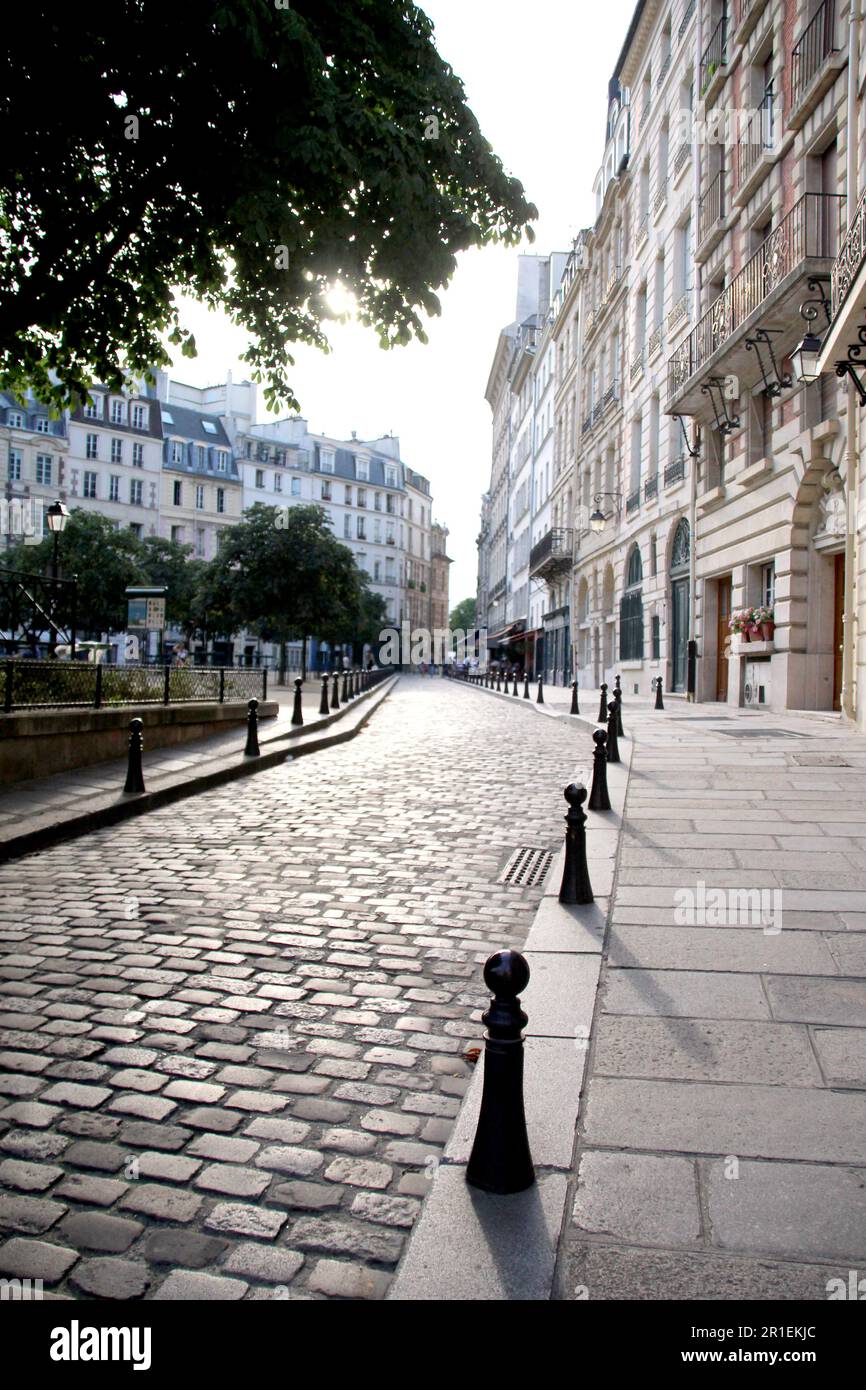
{"points": [[754, 633], [767, 630], [745, 634]]}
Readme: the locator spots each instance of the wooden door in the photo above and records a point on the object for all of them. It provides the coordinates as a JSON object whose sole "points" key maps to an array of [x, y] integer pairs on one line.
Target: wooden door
{"points": [[680, 633], [838, 627], [723, 638]]}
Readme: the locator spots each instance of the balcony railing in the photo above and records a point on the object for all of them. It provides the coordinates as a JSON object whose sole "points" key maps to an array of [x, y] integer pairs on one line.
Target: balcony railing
{"points": [[711, 208], [850, 258], [636, 370], [587, 425], [632, 502], [681, 156], [757, 138], [661, 197], [554, 551], [811, 229], [664, 70], [655, 342], [651, 488], [641, 231], [686, 19], [611, 395], [715, 54], [675, 472], [679, 312], [812, 50]]}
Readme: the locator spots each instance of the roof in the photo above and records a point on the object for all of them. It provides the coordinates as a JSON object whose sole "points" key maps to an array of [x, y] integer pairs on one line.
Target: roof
{"points": [[178, 421]]}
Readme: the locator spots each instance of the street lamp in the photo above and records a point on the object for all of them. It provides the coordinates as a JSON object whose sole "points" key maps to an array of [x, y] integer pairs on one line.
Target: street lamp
{"points": [[598, 520], [804, 359], [57, 517]]}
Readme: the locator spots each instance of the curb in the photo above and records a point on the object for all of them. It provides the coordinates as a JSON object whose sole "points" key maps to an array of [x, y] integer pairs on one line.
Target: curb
{"points": [[105, 811], [505, 1248]]}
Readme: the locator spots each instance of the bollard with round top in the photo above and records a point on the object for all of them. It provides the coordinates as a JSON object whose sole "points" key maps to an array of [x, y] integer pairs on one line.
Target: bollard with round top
{"points": [[539, 699], [612, 743], [134, 777], [617, 699], [659, 704], [345, 695], [297, 708], [500, 1160], [526, 685], [335, 690], [602, 708], [323, 703], [356, 682], [575, 886], [515, 691], [498, 678], [599, 797], [252, 749], [575, 708]]}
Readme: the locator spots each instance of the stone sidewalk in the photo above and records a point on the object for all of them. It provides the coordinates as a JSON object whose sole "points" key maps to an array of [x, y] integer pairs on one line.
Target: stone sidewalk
{"points": [[720, 1147]]}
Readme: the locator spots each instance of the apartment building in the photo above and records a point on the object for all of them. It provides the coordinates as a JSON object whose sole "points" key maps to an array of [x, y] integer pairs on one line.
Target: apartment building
{"points": [[201, 485], [34, 449], [440, 605]]}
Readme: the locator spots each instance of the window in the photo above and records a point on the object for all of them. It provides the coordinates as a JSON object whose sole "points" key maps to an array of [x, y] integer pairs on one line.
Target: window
{"points": [[377, 530], [42, 425], [176, 451], [93, 409], [43, 471], [631, 611], [15, 420], [114, 488], [377, 501], [656, 637], [362, 528], [140, 419], [209, 427], [326, 492], [278, 482], [117, 412], [135, 492], [167, 417], [199, 542], [768, 584], [362, 497], [177, 497], [137, 529], [177, 534], [200, 455], [326, 461], [221, 499], [117, 451], [222, 462], [90, 485], [361, 559], [296, 487], [347, 527], [199, 497], [14, 468], [391, 505], [138, 455], [362, 469], [92, 446], [390, 475], [260, 477]]}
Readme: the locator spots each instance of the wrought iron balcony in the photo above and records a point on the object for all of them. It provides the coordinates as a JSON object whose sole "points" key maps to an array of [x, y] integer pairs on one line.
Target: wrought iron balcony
{"points": [[756, 140], [711, 208], [651, 488], [715, 55], [686, 19], [611, 395], [681, 156], [766, 292], [746, 15], [850, 258], [636, 371], [679, 312], [675, 472], [553, 554], [654, 345], [812, 50], [632, 502], [664, 70], [661, 197]]}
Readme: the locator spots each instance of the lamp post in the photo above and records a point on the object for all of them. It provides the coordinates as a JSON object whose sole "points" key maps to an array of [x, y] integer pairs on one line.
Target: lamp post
{"points": [[57, 516], [598, 520]]}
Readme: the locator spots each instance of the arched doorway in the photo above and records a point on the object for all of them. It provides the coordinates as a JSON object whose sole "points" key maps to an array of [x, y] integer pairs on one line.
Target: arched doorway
{"points": [[631, 640], [679, 624]]}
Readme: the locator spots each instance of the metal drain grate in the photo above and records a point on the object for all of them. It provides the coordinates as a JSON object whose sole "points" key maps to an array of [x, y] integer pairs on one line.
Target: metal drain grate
{"points": [[526, 867], [819, 760]]}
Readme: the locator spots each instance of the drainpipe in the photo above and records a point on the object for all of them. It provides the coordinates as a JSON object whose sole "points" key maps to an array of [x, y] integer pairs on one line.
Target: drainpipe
{"points": [[849, 637], [697, 164]]}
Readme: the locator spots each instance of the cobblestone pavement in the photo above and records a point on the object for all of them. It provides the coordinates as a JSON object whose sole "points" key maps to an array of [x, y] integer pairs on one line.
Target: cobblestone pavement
{"points": [[231, 1031]]}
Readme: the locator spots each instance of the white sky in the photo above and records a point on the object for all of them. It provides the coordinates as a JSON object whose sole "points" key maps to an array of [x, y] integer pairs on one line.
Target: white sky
{"points": [[536, 77]]}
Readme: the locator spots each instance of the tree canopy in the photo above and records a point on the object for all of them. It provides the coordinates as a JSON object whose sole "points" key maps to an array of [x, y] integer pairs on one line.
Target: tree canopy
{"points": [[463, 615], [251, 153]]}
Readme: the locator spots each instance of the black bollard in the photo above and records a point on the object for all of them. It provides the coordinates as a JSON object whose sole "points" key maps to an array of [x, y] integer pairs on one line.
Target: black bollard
{"points": [[575, 887], [500, 1160], [335, 690], [134, 779], [297, 710], [526, 685], [659, 704], [498, 678], [323, 703], [345, 695], [617, 699], [612, 744], [252, 749], [602, 708], [574, 705], [515, 691], [539, 699], [617, 692], [599, 798]]}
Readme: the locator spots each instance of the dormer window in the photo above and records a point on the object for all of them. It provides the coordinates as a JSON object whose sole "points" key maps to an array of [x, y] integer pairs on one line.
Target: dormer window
{"points": [[362, 469], [326, 461], [42, 425], [209, 427]]}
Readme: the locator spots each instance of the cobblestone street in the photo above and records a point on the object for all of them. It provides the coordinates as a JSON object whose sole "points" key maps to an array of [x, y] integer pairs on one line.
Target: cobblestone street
{"points": [[232, 1029]]}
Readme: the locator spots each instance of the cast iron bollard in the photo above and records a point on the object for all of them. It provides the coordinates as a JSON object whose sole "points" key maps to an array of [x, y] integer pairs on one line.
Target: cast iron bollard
{"points": [[323, 703], [252, 749], [602, 708], [134, 779], [617, 692], [500, 1160], [575, 886], [599, 798], [659, 704], [539, 699], [345, 695], [526, 685], [514, 690], [297, 709], [498, 678], [575, 709], [335, 690], [612, 744], [617, 699]]}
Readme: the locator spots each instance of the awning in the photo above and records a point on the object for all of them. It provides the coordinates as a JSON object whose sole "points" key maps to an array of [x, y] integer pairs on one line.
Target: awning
{"points": [[508, 634]]}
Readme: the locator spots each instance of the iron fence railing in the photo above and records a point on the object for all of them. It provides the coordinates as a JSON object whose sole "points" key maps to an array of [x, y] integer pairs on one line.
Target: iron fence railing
{"points": [[632, 502], [810, 230], [651, 488], [675, 472], [85, 685], [812, 50], [756, 139], [850, 258], [715, 53], [687, 15], [711, 208]]}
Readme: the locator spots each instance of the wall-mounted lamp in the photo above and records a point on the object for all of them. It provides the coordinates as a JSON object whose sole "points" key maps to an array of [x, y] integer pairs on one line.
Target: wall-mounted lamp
{"points": [[805, 357], [852, 365], [725, 421], [598, 520], [775, 382]]}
